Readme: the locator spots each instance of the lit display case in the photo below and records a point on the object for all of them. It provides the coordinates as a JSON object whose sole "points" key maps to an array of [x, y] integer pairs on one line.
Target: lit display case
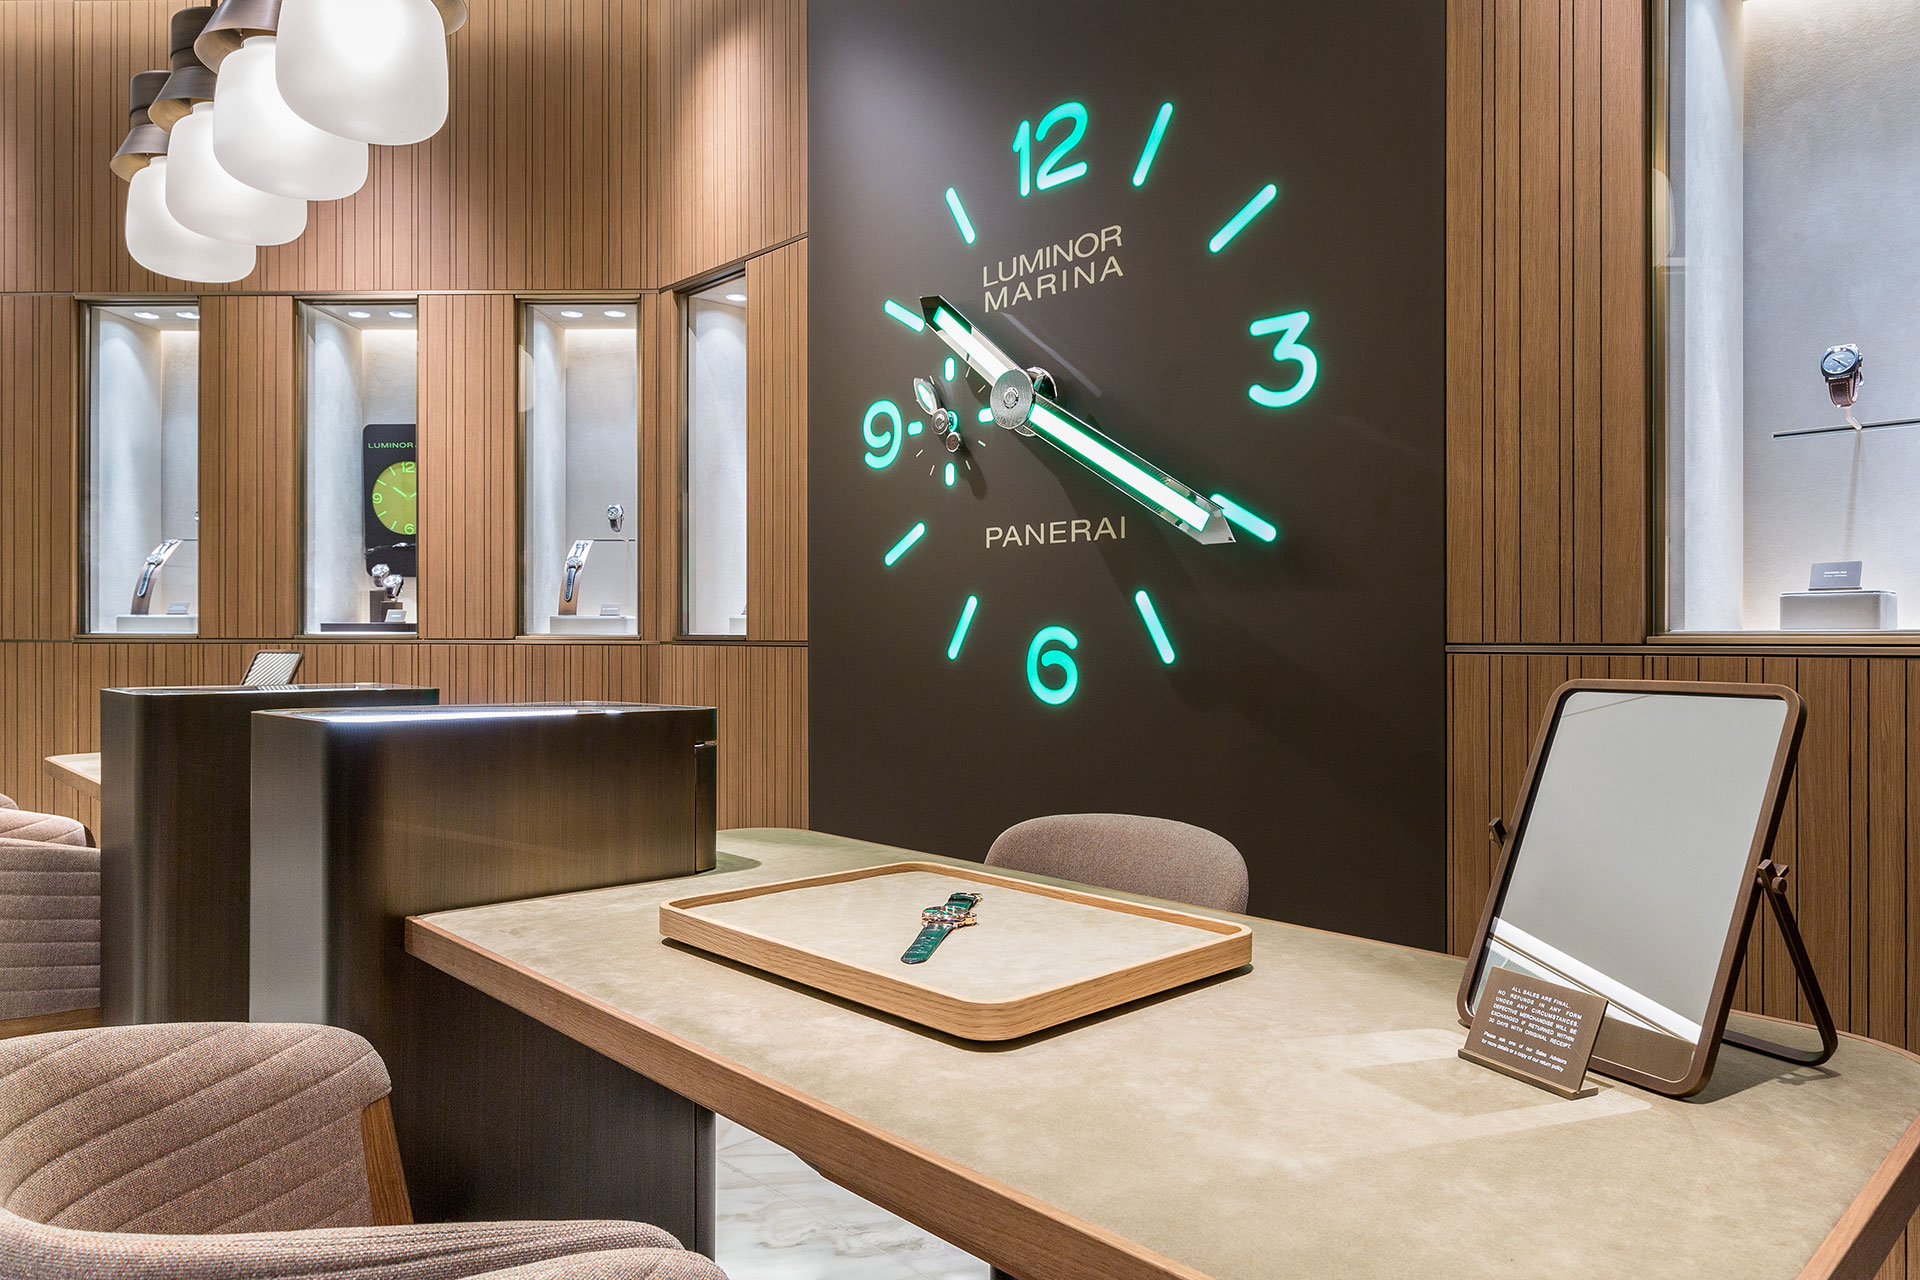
{"points": [[359, 415], [580, 468], [715, 499], [142, 563], [1786, 175]]}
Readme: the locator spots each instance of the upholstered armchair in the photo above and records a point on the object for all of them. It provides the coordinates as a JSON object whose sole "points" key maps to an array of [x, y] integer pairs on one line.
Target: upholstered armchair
{"points": [[49, 923], [232, 1151]]}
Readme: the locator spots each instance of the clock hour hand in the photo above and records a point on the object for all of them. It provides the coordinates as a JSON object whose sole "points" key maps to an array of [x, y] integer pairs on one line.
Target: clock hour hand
{"points": [[1019, 404]]}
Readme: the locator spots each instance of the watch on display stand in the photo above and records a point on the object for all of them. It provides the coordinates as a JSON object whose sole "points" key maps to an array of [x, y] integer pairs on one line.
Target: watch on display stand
{"points": [[613, 618], [1844, 369], [177, 618], [143, 591]]}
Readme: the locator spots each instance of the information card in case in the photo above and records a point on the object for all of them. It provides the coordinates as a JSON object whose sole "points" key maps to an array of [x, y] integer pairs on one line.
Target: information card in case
{"points": [[1535, 1030]]}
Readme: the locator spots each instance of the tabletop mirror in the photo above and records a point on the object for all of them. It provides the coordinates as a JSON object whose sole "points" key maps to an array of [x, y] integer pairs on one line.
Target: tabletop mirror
{"points": [[1636, 862]]}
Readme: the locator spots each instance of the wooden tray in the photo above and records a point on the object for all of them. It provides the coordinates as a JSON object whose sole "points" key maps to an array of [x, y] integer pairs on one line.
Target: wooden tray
{"points": [[1040, 955]]}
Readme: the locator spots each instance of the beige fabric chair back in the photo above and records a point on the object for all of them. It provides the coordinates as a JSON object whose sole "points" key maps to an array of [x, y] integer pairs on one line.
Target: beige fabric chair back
{"points": [[1156, 857], [187, 1128], [49, 929], [47, 828]]}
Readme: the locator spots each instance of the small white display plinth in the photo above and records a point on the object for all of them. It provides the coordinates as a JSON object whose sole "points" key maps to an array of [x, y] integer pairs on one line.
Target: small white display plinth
{"points": [[1839, 611], [157, 624], [593, 624]]}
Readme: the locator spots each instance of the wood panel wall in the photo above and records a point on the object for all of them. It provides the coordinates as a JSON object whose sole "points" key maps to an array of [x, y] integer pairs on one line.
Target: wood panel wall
{"points": [[249, 513], [777, 445], [1550, 435], [593, 147], [469, 451], [1546, 321]]}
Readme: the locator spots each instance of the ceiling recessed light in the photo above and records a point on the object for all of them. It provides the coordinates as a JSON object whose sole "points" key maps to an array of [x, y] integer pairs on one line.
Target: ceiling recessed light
{"points": [[188, 315], [146, 315], [359, 315], [736, 297], [401, 315], [614, 313], [573, 315]]}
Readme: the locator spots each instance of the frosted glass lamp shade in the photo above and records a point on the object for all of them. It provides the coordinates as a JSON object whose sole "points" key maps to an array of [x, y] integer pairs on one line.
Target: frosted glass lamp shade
{"points": [[160, 244], [206, 198], [259, 140], [373, 70]]}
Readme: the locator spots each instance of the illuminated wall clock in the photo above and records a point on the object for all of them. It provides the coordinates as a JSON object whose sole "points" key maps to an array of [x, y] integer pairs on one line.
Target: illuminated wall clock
{"points": [[1125, 430], [390, 471]]}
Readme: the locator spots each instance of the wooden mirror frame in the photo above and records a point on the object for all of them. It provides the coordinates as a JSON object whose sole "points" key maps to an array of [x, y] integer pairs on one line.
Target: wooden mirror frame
{"points": [[1617, 1051]]}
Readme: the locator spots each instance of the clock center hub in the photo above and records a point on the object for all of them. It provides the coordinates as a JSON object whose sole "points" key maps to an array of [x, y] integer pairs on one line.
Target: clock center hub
{"points": [[1011, 400]]}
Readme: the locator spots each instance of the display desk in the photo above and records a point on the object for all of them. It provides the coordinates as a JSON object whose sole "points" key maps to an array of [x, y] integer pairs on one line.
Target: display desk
{"points": [[80, 771], [1307, 1116]]}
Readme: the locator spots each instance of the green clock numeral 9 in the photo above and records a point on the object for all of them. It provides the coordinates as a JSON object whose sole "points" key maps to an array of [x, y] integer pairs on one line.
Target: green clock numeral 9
{"points": [[1288, 349], [884, 443], [1038, 656], [1049, 175]]}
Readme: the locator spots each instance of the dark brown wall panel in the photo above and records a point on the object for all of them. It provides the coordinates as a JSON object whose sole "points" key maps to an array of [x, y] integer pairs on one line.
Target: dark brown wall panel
{"points": [[469, 467], [777, 444], [38, 485], [249, 520], [1547, 376]]}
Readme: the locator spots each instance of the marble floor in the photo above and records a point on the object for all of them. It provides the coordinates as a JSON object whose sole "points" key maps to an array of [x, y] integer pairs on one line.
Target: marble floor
{"points": [[780, 1220]]}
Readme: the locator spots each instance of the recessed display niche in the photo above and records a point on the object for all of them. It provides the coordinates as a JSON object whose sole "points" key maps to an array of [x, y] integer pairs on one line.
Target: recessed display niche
{"points": [[580, 467], [715, 501], [1785, 271], [359, 415], [143, 469]]}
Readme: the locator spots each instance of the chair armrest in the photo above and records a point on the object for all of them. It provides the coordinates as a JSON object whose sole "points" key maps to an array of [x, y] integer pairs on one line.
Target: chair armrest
{"points": [[621, 1264], [454, 1251], [6, 802], [49, 929], [188, 1128]]}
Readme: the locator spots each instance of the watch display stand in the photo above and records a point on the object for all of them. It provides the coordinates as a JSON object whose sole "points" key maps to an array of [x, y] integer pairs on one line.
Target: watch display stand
{"points": [[1839, 611], [593, 624], [610, 618], [157, 624]]}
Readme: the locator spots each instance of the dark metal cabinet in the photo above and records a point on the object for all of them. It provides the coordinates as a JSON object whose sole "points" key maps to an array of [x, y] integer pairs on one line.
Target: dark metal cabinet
{"points": [[364, 818], [174, 829]]}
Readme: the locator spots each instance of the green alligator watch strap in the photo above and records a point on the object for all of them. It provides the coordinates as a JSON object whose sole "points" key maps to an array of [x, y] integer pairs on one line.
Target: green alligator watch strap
{"points": [[934, 931]]}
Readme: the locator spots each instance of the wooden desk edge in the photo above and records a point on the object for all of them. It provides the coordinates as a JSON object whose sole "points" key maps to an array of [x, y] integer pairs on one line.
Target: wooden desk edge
{"points": [[60, 771], [954, 1202], [1005, 1227]]}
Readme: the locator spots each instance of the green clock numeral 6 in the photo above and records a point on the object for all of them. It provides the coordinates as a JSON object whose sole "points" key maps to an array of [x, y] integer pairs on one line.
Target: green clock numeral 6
{"points": [[1038, 656], [1049, 175]]}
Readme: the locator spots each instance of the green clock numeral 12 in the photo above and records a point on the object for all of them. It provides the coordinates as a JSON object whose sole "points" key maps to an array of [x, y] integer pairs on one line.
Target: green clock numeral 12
{"points": [[1049, 175]]}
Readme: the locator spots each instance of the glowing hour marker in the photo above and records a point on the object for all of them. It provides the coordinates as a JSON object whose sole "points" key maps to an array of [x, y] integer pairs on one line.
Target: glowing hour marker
{"points": [[906, 317], [960, 215], [1225, 235], [1159, 633], [960, 631], [900, 548], [1252, 523], [884, 443], [915, 428], [949, 368], [1153, 144], [1288, 349], [949, 475], [986, 417], [1038, 656]]}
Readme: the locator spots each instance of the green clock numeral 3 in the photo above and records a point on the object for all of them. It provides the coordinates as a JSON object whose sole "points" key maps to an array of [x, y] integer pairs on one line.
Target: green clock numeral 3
{"points": [[1050, 175], [1288, 350]]}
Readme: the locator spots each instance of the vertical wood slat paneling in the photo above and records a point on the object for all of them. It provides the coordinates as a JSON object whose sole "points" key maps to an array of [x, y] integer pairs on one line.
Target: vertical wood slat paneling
{"points": [[469, 467], [761, 693], [726, 131], [1546, 296], [777, 444], [249, 554], [662, 378], [37, 187], [38, 486]]}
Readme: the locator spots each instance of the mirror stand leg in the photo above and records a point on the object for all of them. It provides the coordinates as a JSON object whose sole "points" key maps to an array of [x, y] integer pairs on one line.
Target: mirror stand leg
{"points": [[1773, 886]]}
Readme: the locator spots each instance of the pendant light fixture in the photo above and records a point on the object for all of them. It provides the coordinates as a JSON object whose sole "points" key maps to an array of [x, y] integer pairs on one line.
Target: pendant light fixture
{"points": [[154, 238], [371, 70], [259, 140], [159, 243], [192, 80], [208, 199]]}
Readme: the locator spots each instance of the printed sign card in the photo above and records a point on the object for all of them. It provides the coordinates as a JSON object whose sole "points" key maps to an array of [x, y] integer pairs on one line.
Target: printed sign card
{"points": [[1535, 1030]]}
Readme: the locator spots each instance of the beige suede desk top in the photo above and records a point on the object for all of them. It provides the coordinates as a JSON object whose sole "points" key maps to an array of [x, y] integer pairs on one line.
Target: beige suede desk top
{"points": [[1307, 1116]]}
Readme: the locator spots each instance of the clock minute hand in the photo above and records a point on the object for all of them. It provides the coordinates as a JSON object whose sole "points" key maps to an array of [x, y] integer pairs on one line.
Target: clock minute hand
{"points": [[1039, 414]]}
